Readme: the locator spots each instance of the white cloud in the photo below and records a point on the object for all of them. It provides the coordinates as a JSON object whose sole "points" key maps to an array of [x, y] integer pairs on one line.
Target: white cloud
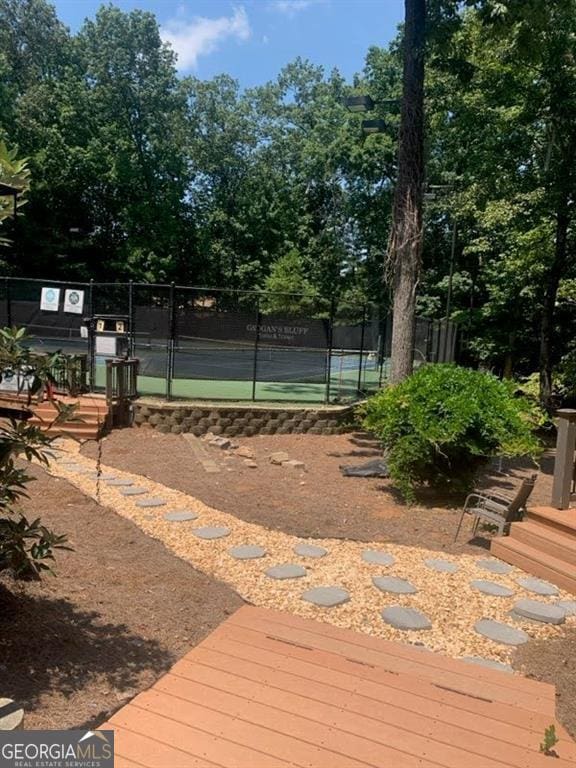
{"points": [[201, 36], [292, 7]]}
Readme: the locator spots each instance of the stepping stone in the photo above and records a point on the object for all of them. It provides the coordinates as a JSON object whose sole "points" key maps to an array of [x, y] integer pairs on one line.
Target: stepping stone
{"points": [[105, 477], [488, 663], [309, 550], [71, 467], [11, 715], [394, 584], [247, 552], [152, 502], [180, 516], [501, 633], [537, 586], [568, 606], [211, 532], [119, 483], [539, 611], [405, 618], [377, 557], [289, 571], [442, 566], [133, 491], [326, 597], [491, 588], [494, 566]]}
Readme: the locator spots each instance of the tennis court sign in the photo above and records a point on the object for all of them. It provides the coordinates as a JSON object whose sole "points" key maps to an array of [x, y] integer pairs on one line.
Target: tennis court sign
{"points": [[50, 299], [74, 301], [301, 335]]}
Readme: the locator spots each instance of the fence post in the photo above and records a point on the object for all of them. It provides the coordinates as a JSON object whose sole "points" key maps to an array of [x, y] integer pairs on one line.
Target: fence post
{"points": [[131, 318], [170, 344], [359, 388], [8, 304], [564, 460], [438, 337], [330, 344], [256, 341], [91, 337]]}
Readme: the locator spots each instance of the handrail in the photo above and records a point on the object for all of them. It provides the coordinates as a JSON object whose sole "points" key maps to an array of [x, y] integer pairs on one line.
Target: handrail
{"points": [[121, 387], [564, 460]]}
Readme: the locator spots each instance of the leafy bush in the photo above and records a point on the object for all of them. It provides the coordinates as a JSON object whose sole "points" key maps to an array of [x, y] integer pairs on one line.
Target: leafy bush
{"points": [[25, 547], [443, 422]]}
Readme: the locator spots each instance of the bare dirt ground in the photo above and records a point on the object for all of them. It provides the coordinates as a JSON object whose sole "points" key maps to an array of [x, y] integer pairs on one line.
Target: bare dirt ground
{"points": [[317, 502], [119, 613]]}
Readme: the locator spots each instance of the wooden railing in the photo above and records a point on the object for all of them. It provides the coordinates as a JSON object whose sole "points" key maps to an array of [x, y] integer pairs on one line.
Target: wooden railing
{"points": [[70, 373], [121, 388], [564, 461]]}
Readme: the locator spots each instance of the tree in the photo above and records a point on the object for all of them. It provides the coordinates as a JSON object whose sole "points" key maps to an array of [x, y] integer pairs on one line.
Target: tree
{"points": [[405, 245]]}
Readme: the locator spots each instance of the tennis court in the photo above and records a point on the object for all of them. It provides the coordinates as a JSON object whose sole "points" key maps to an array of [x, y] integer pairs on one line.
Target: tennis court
{"points": [[216, 344]]}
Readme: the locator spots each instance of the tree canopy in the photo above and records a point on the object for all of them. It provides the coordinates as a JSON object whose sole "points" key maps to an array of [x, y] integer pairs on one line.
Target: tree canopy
{"points": [[141, 174]]}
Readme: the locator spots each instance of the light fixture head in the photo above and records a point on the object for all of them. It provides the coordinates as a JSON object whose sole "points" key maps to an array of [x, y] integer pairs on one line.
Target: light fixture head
{"points": [[373, 126], [359, 103]]}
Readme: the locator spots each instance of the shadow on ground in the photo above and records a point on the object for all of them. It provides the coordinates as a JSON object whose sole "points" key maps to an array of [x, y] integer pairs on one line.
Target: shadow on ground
{"points": [[50, 645]]}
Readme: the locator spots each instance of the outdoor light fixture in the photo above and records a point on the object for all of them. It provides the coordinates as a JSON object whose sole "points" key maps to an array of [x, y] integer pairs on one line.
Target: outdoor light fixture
{"points": [[359, 103], [373, 126]]}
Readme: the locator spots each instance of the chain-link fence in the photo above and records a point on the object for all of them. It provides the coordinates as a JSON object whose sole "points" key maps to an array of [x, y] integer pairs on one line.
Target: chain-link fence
{"points": [[202, 343]]}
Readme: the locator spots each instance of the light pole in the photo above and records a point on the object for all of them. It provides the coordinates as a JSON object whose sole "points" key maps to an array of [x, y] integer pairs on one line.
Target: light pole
{"points": [[432, 194]]}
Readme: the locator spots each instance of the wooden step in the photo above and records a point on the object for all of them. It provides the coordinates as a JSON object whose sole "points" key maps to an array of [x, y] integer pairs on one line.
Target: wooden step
{"points": [[562, 519], [48, 408], [45, 419], [544, 538], [535, 562], [74, 431]]}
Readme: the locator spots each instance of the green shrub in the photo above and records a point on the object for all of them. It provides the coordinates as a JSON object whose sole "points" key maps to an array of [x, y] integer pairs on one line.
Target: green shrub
{"points": [[26, 548], [443, 422]]}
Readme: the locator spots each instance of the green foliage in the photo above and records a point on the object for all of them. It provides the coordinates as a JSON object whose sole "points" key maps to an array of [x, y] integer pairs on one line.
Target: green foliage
{"points": [[550, 741], [288, 288], [440, 425], [15, 172], [26, 547]]}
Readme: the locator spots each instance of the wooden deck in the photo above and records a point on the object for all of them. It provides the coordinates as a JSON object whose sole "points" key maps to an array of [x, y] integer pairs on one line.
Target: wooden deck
{"points": [[269, 690]]}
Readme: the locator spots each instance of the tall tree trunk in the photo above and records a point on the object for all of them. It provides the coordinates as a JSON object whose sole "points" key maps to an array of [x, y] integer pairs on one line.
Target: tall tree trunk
{"points": [[405, 246], [554, 276]]}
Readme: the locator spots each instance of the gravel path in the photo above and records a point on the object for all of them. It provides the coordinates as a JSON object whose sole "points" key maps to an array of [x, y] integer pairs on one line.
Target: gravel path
{"points": [[452, 605]]}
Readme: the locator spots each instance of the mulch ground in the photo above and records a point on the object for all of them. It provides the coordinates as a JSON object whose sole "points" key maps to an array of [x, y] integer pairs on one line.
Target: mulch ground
{"points": [[317, 503], [321, 503], [552, 661], [119, 613]]}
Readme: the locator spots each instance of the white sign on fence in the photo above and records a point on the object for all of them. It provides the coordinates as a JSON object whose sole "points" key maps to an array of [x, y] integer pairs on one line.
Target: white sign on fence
{"points": [[74, 301], [106, 345], [50, 299]]}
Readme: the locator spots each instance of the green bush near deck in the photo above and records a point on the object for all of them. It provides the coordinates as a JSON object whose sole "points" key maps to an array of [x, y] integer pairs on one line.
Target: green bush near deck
{"points": [[442, 423]]}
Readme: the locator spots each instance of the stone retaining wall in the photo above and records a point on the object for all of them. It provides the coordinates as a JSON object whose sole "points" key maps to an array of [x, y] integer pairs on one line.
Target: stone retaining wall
{"points": [[236, 420]]}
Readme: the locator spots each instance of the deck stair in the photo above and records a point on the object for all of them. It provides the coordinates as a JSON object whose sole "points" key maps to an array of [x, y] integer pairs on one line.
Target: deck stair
{"points": [[89, 419], [543, 544]]}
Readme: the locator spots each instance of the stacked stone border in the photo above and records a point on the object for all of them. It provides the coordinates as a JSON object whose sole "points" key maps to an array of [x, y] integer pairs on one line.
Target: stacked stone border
{"points": [[242, 420]]}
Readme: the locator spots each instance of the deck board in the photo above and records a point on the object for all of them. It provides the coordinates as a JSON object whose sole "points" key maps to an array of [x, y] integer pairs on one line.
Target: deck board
{"points": [[270, 690]]}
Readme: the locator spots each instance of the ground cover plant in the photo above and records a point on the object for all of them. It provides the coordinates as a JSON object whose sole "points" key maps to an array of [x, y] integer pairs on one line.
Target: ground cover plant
{"points": [[439, 426]]}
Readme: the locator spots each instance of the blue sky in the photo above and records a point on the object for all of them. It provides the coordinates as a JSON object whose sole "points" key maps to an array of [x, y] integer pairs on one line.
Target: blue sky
{"points": [[252, 39]]}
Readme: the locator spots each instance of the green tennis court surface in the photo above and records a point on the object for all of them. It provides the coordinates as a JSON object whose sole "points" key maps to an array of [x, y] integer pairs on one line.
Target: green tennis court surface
{"points": [[343, 386]]}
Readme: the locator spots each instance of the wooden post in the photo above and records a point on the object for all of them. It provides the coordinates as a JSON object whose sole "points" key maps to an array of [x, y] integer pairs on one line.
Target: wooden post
{"points": [[564, 462]]}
